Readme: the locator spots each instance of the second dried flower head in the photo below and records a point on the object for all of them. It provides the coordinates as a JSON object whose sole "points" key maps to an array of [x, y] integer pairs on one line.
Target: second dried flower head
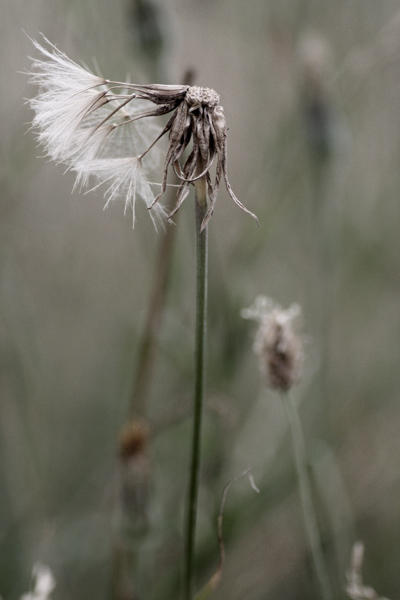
{"points": [[104, 129], [277, 343]]}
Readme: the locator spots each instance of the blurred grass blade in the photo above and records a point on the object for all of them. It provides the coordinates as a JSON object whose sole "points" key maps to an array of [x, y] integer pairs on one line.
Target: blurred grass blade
{"points": [[210, 586], [214, 580]]}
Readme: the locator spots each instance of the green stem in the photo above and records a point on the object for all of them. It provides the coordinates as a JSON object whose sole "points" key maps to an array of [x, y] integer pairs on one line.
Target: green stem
{"points": [[201, 311], [148, 347], [306, 498]]}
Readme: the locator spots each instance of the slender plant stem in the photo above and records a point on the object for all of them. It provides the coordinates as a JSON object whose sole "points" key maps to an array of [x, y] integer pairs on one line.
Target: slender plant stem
{"points": [[306, 498], [201, 311], [148, 347]]}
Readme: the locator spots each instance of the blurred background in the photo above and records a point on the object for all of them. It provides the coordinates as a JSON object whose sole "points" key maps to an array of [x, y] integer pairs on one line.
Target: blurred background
{"points": [[96, 350]]}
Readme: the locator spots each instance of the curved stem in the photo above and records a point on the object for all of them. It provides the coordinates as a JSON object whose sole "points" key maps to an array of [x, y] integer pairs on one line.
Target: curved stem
{"points": [[201, 311], [306, 498]]}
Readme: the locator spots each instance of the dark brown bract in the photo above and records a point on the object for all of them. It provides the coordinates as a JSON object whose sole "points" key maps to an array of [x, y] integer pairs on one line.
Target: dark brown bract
{"points": [[198, 118]]}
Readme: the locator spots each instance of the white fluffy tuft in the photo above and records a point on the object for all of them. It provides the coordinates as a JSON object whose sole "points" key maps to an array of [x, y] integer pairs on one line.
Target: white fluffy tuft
{"points": [[85, 122]]}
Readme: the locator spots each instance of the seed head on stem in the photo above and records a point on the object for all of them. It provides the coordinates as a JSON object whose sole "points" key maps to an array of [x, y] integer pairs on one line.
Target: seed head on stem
{"points": [[106, 130], [280, 350], [277, 343]]}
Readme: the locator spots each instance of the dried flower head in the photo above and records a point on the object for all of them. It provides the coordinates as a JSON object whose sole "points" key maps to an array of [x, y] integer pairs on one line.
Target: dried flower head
{"points": [[135, 472], [277, 344], [134, 438], [101, 128]]}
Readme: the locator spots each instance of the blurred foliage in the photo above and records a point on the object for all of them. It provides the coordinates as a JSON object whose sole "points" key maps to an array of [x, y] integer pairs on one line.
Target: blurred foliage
{"points": [[311, 93]]}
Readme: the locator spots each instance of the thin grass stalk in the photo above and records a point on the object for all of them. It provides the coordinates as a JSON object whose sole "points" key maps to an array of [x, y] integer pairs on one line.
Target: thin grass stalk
{"points": [[201, 312], [310, 521], [145, 367]]}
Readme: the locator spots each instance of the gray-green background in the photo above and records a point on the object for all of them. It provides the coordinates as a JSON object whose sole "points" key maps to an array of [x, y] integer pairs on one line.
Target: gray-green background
{"points": [[75, 284]]}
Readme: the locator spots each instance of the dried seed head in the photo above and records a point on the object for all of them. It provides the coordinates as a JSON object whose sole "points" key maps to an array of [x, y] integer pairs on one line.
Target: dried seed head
{"points": [[135, 473], [197, 96], [105, 130], [277, 343], [133, 439]]}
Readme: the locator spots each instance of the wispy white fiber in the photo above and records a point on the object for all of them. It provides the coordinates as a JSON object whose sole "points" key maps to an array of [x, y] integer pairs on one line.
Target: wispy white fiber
{"points": [[85, 122], [44, 584]]}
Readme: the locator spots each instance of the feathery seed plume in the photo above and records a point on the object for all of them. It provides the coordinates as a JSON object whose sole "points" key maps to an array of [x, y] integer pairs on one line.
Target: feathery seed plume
{"points": [[105, 130], [277, 344], [44, 584]]}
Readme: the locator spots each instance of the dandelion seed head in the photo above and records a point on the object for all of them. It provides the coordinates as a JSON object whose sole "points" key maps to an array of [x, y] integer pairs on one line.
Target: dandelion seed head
{"points": [[277, 343], [109, 131]]}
